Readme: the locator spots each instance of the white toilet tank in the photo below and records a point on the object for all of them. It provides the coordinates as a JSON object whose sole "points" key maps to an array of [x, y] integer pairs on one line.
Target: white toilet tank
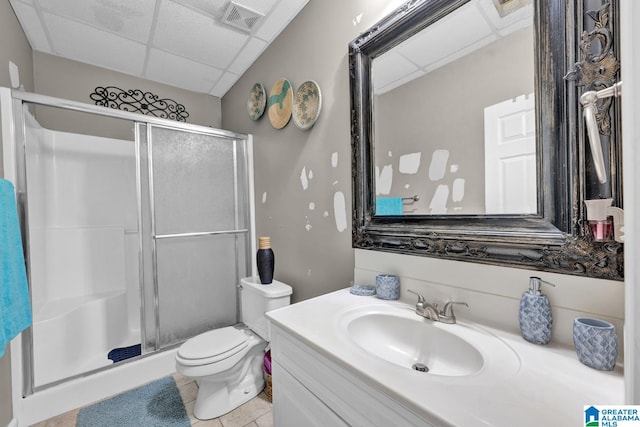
{"points": [[256, 299]]}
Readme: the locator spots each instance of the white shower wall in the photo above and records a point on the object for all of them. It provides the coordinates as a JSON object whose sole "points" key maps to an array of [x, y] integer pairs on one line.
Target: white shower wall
{"points": [[82, 207]]}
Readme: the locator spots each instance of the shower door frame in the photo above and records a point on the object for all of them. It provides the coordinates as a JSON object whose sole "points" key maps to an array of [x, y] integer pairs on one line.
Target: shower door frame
{"points": [[15, 170], [155, 237]]}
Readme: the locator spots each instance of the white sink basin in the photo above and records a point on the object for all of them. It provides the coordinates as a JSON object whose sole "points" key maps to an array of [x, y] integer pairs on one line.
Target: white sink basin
{"points": [[394, 334], [407, 342]]}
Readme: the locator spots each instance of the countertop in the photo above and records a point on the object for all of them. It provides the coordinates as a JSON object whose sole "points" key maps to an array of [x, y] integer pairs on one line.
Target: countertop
{"points": [[550, 387]]}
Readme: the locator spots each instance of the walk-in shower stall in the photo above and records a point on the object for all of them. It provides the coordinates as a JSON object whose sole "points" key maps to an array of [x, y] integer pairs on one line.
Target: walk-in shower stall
{"points": [[137, 231]]}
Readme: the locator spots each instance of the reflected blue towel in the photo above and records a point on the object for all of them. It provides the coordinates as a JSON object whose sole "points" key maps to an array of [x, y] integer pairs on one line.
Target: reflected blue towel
{"points": [[15, 309], [389, 206]]}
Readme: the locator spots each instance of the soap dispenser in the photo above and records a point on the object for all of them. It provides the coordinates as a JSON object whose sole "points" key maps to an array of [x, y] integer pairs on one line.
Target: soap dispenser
{"points": [[535, 313]]}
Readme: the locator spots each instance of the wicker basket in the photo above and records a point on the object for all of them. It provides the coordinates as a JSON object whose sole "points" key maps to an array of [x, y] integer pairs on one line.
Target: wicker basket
{"points": [[268, 389]]}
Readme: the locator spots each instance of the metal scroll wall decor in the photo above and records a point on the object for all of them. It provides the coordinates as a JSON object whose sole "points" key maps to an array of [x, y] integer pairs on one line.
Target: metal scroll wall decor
{"points": [[137, 101]]}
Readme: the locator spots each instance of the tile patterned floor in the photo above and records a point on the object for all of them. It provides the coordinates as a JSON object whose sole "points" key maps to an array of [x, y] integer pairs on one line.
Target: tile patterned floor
{"points": [[254, 413]]}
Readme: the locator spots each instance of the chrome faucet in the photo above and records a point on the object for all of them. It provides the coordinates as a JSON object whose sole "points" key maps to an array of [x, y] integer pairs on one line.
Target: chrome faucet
{"points": [[447, 315], [424, 309], [430, 311]]}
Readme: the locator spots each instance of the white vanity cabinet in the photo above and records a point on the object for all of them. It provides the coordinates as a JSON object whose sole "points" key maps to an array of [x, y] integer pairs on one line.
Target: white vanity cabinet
{"points": [[323, 376], [311, 390]]}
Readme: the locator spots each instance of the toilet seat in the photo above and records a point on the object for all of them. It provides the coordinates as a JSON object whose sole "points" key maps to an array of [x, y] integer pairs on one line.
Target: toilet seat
{"points": [[213, 346], [227, 363]]}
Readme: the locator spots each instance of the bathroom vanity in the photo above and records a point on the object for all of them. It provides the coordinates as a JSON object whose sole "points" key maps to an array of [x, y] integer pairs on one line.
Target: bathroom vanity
{"points": [[342, 359]]}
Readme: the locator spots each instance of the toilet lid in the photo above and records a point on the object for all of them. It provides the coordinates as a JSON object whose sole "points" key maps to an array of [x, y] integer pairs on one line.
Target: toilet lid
{"points": [[213, 346]]}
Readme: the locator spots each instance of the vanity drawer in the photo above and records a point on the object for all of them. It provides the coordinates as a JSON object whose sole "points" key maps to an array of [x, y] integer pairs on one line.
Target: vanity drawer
{"points": [[294, 405]]}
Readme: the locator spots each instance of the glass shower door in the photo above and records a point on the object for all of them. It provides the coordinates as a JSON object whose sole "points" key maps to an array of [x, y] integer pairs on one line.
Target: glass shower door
{"points": [[196, 240]]}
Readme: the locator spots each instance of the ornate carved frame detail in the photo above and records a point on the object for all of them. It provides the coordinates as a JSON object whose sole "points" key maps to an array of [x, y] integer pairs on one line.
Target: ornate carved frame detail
{"points": [[597, 68], [549, 241], [596, 71]]}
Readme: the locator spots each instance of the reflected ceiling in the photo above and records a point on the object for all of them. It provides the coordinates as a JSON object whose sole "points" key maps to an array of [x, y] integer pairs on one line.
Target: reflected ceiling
{"points": [[476, 24]]}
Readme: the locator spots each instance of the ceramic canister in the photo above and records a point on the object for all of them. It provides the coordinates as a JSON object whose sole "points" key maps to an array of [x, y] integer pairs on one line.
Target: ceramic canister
{"points": [[596, 343], [388, 286]]}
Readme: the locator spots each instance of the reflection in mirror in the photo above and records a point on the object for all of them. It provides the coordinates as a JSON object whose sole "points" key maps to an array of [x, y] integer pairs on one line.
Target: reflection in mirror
{"points": [[548, 238], [454, 116]]}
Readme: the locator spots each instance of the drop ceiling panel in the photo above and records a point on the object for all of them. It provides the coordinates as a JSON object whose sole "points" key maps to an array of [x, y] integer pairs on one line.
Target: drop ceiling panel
{"points": [[442, 38], [262, 6], [443, 42], [462, 52], [130, 19], [211, 8], [279, 18], [521, 17], [216, 8], [389, 68], [184, 32], [224, 84], [95, 46], [246, 57], [184, 73], [183, 43]]}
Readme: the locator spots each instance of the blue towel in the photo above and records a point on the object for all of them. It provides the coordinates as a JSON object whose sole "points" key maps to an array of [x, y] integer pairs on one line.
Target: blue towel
{"points": [[389, 206], [15, 309]]}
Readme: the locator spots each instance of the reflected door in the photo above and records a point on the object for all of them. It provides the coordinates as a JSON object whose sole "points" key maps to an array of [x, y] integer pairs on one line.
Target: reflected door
{"points": [[510, 156]]}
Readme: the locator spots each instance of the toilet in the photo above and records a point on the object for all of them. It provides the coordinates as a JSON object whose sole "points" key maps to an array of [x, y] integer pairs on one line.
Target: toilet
{"points": [[227, 362]]}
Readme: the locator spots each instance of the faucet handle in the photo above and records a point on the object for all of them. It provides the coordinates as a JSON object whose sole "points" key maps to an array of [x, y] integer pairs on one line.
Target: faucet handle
{"points": [[421, 299], [447, 311]]}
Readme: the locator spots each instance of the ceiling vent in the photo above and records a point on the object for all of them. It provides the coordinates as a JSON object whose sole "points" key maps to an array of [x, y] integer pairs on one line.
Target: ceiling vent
{"points": [[241, 17]]}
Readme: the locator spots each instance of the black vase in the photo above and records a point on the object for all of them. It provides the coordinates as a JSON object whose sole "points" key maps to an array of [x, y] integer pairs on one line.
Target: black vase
{"points": [[265, 261]]}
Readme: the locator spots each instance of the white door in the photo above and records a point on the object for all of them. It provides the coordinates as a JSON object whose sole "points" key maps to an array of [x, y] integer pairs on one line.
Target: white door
{"points": [[510, 156]]}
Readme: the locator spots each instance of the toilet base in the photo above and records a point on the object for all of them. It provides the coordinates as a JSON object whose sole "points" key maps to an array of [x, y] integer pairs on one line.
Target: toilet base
{"points": [[218, 396], [213, 402]]}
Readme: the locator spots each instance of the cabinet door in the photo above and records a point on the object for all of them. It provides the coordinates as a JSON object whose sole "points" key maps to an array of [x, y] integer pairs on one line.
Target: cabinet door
{"points": [[294, 405]]}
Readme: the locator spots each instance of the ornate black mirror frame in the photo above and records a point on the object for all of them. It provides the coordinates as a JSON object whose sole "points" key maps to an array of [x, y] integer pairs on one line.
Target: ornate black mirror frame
{"points": [[553, 240]]}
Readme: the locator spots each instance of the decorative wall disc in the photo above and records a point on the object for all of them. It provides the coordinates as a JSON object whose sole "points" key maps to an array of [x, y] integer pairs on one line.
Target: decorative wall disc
{"points": [[307, 105], [280, 102], [257, 101]]}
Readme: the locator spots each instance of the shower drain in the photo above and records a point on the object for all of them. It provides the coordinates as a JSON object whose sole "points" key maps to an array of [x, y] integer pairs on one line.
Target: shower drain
{"points": [[420, 367]]}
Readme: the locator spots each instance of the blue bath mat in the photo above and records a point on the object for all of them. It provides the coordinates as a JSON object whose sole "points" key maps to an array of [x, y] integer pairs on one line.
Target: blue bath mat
{"points": [[157, 404], [122, 353]]}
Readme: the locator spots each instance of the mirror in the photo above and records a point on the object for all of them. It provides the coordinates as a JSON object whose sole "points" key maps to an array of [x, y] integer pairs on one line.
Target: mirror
{"points": [[472, 151], [545, 232]]}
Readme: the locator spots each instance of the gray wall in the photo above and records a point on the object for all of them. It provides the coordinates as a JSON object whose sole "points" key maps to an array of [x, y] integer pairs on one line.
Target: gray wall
{"points": [[63, 78], [311, 254], [14, 47], [445, 110]]}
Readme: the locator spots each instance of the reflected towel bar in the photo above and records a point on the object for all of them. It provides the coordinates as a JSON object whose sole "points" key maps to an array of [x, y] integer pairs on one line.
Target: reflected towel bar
{"points": [[411, 199], [199, 234]]}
